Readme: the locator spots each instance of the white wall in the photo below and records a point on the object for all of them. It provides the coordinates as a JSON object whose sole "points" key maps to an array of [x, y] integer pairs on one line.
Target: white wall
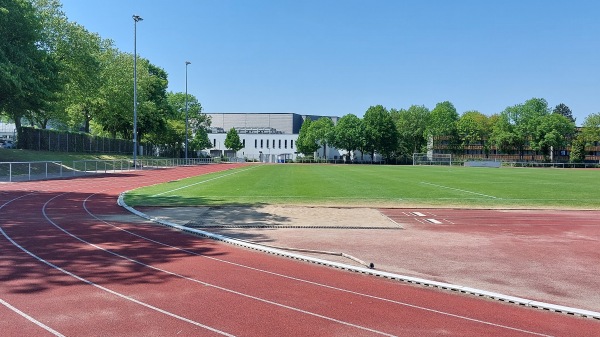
{"points": [[7, 130]]}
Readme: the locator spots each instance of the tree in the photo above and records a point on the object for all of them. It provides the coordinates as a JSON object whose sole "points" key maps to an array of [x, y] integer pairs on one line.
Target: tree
{"points": [[348, 134], [590, 130], [442, 120], [473, 127], [553, 131], [411, 125], [75, 51], [28, 73], [154, 110], [117, 116], [306, 142], [504, 136], [564, 110], [81, 97], [172, 136], [232, 141], [517, 125], [196, 119], [577, 154], [200, 140], [442, 124], [380, 132], [322, 132]]}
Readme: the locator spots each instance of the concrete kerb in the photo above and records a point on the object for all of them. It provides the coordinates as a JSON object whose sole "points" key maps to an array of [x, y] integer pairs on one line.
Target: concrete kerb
{"points": [[408, 279]]}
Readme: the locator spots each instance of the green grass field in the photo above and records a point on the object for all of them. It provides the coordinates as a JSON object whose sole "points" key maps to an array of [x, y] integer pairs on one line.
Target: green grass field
{"points": [[390, 186]]}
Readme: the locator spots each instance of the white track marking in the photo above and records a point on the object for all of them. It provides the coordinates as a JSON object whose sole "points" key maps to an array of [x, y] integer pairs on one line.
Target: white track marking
{"points": [[97, 285], [198, 281], [109, 290], [202, 182], [457, 189], [418, 213], [31, 319], [312, 282]]}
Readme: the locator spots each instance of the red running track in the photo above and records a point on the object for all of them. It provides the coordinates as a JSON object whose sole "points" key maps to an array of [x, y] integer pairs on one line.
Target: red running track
{"points": [[65, 270]]}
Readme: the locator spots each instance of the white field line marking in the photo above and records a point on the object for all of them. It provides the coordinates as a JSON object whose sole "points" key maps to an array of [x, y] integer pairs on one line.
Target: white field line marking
{"points": [[418, 213], [97, 285], [434, 221], [457, 189], [109, 290], [195, 281], [31, 319], [319, 284], [202, 182]]}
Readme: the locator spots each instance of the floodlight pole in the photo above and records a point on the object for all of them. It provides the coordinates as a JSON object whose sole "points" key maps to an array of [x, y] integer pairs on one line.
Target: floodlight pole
{"points": [[187, 63], [136, 19]]}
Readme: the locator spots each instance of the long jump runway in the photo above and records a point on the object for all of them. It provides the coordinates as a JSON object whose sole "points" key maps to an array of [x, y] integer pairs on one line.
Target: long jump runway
{"points": [[66, 272]]}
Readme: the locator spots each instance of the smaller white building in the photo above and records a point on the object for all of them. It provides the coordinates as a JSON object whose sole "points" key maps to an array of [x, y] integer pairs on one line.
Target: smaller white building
{"points": [[8, 131], [264, 147]]}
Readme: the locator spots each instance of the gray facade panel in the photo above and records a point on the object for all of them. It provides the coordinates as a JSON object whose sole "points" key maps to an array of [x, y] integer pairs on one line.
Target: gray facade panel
{"points": [[286, 123]]}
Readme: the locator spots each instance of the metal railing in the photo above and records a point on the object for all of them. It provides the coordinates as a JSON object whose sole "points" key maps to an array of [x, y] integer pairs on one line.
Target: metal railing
{"points": [[38, 170]]}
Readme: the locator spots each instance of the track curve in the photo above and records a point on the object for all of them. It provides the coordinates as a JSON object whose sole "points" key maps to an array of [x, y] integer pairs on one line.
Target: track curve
{"points": [[74, 264]]}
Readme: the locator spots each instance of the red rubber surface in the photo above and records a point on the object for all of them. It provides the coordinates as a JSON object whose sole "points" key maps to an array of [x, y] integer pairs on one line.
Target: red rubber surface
{"points": [[139, 279]]}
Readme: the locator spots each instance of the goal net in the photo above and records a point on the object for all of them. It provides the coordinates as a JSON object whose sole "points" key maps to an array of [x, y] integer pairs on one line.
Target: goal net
{"points": [[432, 159]]}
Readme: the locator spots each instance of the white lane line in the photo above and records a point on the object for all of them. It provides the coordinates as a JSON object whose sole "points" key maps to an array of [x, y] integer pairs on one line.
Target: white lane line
{"points": [[418, 214], [434, 221], [109, 290], [97, 285], [189, 279], [458, 189], [31, 319], [202, 182]]}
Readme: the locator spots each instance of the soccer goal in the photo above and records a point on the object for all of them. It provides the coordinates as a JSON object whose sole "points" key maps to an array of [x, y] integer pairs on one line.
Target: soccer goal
{"points": [[432, 159]]}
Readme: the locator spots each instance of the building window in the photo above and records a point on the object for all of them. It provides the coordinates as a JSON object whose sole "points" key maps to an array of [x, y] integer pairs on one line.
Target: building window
{"points": [[244, 142], [267, 143], [291, 144], [285, 143], [256, 143], [261, 143], [215, 142], [280, 143]]}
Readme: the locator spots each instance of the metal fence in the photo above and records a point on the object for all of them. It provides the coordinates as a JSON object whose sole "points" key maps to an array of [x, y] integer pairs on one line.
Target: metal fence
{"points": [[24, 171]]}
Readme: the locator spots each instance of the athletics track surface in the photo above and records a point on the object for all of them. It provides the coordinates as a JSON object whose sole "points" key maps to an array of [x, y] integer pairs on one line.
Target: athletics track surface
{"points": [[63, 271]]}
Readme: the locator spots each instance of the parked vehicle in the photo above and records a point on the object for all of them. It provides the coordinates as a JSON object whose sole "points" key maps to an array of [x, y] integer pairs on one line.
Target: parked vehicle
{"points": [[6, 144]]}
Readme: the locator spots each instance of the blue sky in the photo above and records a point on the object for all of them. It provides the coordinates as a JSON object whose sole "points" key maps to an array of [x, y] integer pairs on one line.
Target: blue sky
{"points": [[334, 57]]}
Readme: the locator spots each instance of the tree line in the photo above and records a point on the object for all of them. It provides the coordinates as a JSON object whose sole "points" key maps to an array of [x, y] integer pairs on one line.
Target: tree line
{"points": [[53, 72], [395, 134]]}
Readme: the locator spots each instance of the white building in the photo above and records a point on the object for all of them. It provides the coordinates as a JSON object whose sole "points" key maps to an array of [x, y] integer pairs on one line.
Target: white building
{"points": [[267, 137], [8, 131]]}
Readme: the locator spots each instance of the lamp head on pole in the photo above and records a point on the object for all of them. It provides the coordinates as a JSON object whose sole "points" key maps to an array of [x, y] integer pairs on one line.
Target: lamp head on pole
{"points": [[187, 62], [137, 18]]}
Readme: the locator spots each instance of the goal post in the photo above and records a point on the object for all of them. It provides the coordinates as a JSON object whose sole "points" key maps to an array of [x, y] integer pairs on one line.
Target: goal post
{"points": [[432, 159]]}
